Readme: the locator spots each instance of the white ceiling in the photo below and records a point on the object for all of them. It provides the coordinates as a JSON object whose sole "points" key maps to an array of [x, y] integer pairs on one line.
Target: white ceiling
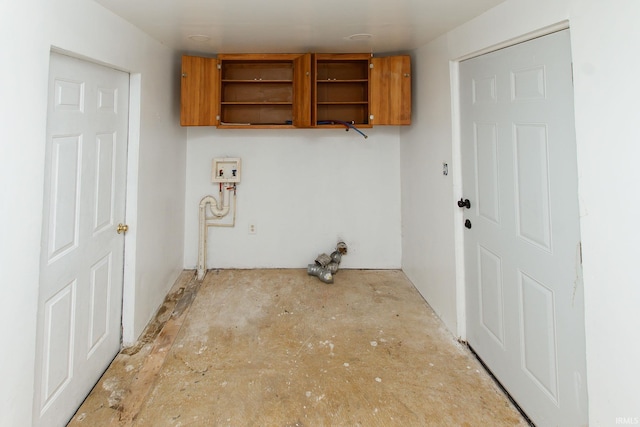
{"points": [[296, 26]]}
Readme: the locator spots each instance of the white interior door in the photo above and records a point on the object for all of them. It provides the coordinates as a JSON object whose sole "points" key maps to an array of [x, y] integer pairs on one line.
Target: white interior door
{"points": [[81, 267], [525, 312]]}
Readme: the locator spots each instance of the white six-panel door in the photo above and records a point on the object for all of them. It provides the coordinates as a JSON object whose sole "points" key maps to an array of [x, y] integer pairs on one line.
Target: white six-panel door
{"points": [[81, 267], [524, 293]]}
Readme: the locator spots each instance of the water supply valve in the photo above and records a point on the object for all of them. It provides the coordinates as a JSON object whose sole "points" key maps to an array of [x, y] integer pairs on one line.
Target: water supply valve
{"points": [[226, 169]]}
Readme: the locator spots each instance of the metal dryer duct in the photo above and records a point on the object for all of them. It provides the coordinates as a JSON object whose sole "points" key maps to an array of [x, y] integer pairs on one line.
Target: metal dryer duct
{"points": [[326, 266]]}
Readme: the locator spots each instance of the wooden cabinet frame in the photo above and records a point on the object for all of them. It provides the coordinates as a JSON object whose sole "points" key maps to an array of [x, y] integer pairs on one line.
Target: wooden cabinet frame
{"points": [[264, 90], [341, 89], [295, 90]]}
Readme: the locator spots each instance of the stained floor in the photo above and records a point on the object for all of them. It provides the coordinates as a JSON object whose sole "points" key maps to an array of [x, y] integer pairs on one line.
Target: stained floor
{"points": [[281, 348]]}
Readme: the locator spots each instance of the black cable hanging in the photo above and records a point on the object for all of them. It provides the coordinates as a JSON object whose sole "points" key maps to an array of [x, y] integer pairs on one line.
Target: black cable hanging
{"points": [[348, 125]]}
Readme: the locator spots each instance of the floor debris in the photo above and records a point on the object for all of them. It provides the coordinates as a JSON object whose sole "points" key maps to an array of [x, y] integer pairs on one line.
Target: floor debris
{"points": [[236, 360]]}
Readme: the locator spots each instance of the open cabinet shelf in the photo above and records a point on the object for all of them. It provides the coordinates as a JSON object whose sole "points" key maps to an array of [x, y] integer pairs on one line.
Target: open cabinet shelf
{"points": [[341, 89], [258, 90]]}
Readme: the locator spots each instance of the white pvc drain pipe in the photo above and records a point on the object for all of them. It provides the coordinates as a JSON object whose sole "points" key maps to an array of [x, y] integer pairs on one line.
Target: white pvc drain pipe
{"points": [[218, 211]]}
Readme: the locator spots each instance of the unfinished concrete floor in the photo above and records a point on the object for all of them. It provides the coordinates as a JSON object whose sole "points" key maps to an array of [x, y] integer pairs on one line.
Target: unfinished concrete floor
{"points": [[280, 348]]}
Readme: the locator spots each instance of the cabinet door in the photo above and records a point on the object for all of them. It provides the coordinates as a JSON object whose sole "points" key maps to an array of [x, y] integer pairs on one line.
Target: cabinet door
{"points": [[302, 91], [391, 90], [200, 91]]}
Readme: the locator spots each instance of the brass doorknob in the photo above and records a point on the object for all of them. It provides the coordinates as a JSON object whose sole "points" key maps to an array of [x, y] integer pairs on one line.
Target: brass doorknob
{"points": [[122, 228]]}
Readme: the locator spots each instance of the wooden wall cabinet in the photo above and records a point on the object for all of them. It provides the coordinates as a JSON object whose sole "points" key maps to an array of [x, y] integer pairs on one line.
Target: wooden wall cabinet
{"points": [[295, 90], [362, 90], [341, 89], [265, 90]]}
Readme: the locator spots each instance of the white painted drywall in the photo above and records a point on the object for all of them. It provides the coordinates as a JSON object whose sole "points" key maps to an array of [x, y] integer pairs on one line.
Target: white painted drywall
{"points": [[427, 195], [303, 190], [23, 89], [29, 29], [606, 86]]}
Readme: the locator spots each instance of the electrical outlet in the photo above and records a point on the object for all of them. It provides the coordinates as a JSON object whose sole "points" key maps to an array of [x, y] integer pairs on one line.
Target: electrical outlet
{"points": [[252, 229]]}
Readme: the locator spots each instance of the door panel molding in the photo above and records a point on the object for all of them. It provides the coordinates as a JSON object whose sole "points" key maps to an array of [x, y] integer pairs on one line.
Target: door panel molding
{"points": [[82, 268], [523, 174]]}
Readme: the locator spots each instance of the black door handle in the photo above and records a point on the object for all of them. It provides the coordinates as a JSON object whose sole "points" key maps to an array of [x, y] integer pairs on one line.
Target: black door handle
{"points": [[467, 224], [464, 203]]}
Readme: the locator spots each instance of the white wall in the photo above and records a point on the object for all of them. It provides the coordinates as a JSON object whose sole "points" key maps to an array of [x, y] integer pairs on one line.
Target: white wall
{"points": [[23, 89], [606, 68], [604, 36], [29, 29], [428, 257], [303, 189]]}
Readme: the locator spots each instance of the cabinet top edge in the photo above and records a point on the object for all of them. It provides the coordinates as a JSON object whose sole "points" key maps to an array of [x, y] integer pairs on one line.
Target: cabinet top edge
{"points": [[343, 56], [259, 56], [282, 56]]}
